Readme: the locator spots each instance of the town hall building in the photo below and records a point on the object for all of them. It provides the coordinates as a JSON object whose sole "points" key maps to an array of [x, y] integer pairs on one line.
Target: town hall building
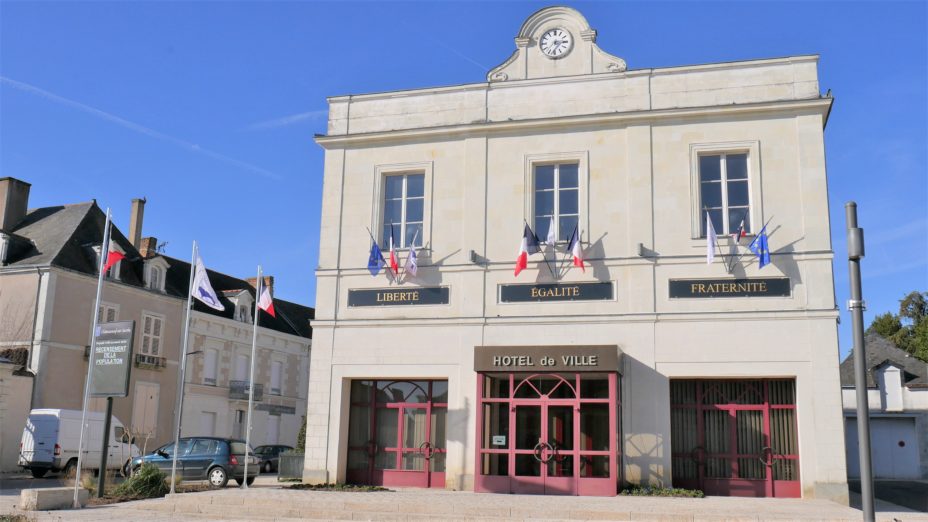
{"points": [[641, 362]]}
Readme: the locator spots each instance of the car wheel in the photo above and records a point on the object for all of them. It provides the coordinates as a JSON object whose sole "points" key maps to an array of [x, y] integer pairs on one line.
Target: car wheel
{"points": [[70, 471], [218, 478], [38, 472], [267, 467]]}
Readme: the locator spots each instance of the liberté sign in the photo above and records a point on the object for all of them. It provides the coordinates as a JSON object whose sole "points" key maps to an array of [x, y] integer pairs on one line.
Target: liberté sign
{"points": [[416, 295], [545, 359], [756, 287], [112, 360]]}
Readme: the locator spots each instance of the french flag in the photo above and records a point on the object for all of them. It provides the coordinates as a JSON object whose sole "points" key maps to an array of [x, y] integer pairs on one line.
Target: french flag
{"points": [[112, 257], [740, 233], [266, 302], [528, 247], [394, 263], [576, 250]]}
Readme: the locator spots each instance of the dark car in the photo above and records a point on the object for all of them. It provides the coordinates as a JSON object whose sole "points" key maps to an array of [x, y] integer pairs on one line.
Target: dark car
{"points": [[204, 458], [270, 456]]}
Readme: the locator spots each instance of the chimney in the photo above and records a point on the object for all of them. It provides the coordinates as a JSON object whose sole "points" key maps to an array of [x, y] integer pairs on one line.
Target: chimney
{"points": [[268, 283], [14, 200], [148, 247], [135, 221]]}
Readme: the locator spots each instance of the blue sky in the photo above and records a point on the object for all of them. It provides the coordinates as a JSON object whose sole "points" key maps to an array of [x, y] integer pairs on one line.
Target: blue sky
{"points": [[208, 109]]}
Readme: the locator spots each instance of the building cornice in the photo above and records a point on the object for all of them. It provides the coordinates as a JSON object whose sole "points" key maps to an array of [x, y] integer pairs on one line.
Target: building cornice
{"points": [[225, 321], [814, 105]]}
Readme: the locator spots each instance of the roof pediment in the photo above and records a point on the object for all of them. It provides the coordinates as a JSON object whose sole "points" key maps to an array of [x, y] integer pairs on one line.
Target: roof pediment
{"points": [[582, 57]]}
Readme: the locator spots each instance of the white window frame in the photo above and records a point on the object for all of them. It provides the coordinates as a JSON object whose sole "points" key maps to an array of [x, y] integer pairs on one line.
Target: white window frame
{"points": [[581, 159], [280, 385], [105, 307], [207, 380], [246, 368], [156, 263], [396, 169], [755, 201], [143, 335]]}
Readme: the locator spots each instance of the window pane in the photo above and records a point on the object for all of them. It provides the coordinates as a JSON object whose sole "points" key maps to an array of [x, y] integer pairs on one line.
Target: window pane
{"points": [[716, 216], [737, 193], [385, 237], [392, 211], [711, 194], [542, 224], [157, 328], [735, 215], [544, 177], [415, 184], [568, 176], [737, 165], [566, 224], [413, 210], [709, 168], [544, 203], [411, 234], [568, 201], [393, 188]]}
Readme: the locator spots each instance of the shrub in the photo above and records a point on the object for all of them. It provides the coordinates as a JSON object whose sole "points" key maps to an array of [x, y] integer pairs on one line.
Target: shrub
{"points": [[301, 438], [147, 482], [649, 491]]}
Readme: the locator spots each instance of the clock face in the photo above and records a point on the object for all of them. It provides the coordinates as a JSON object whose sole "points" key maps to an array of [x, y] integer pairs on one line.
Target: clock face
{"points": [[556, 43]]}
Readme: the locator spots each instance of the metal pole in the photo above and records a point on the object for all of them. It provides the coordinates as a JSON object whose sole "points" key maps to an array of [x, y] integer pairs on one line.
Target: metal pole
{"points": [[251, 378], [106, 446], [179, 409], [104, 249], [856, 306]]}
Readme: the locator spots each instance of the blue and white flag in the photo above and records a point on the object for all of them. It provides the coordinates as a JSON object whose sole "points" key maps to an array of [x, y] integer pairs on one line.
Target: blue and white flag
{"points": [[201, 289], [760, 248], [375, 261], [412, 265]]}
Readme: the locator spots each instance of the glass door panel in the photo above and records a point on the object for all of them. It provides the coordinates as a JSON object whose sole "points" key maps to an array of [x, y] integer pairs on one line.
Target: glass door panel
{"points": [[750, 443], [528, 438], [415, 425], [559, 454], [387, 425]]}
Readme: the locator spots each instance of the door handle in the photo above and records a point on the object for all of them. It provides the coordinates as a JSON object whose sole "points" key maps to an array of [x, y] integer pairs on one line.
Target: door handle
{"points": [[766, 456], [427, 449]]}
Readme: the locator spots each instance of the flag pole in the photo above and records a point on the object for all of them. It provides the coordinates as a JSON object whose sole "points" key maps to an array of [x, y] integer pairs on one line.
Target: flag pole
{"points": [[251, 379], [104, 250], [179, 409], [387, 265]]}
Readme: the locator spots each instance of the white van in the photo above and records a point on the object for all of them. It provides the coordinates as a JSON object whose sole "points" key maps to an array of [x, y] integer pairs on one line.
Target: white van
{"points": [[51, 437]]}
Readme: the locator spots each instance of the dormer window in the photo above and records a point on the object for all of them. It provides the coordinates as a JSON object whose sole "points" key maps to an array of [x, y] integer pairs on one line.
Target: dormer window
{"points": [[156, 268], [113, 271], [241, 314]]}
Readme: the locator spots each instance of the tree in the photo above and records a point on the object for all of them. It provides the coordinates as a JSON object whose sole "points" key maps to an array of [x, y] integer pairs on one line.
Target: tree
{"points": [[908, 329]]}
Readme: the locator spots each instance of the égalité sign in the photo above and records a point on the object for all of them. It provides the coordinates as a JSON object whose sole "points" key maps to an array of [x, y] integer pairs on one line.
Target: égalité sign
{"points": [[112, 359]]}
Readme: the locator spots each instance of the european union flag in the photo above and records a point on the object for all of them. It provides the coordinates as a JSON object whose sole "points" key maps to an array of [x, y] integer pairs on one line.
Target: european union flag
{"points": [[376, 261], [760, 248]]}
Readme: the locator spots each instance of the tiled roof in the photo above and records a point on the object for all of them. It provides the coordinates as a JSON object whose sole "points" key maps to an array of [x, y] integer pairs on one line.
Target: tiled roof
{"points": [[879, 351]]}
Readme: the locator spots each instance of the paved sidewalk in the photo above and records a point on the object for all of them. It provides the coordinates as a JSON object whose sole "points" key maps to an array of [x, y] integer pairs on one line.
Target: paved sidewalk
{"points": [[271, 503]]}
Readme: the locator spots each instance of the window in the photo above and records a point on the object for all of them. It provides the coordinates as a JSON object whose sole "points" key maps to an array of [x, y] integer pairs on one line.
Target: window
{"points": [[107, 313], [210, 367], [277, 369], [242, 314], [152, 327], [725, 191], [113, 271], [241, 367], [403, 209], [557, 195], [154, 278]]}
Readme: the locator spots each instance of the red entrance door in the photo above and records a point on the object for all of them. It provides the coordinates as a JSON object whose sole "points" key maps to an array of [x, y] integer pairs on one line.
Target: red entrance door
{"points": [[548, 434], [735, 437], [397, 433]]}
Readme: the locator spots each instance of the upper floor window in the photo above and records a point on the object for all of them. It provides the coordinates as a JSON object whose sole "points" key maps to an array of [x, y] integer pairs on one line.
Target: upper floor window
{"points": [[107, 313], [210, 367], [154, 278], [277, 370], [403, 208], [242, 313], [113, 271], [155, 271], [725, 192], [152, 327], [557, 195]]}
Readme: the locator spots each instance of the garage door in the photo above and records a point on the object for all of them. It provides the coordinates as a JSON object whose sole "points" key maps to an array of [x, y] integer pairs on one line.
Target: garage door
{"points": [[894, 448]]}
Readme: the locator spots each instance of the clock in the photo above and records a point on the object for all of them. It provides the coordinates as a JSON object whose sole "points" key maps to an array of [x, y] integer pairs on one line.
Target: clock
{"points": [[556, 43]]}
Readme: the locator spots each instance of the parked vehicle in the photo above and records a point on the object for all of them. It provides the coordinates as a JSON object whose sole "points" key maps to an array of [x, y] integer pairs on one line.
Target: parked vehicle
{"points": [[270, 456], [205, 458], [51, 437]]}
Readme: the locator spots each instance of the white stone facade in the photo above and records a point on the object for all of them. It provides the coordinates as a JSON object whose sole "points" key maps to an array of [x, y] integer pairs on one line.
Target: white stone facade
{"points": [[635, 136]]}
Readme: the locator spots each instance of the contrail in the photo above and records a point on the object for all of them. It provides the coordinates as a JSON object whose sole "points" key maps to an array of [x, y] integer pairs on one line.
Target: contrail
{"points": [[287, 120], [112, 118]]}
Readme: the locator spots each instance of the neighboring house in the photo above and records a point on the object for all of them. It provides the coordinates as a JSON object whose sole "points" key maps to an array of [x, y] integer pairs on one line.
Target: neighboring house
{"points": [[48, 276], [897, 395], [14, 383]]}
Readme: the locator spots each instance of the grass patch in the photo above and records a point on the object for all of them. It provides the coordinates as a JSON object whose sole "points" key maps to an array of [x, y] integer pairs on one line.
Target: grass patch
{"points": [[648, 491], [338, 487], [15, 518]]}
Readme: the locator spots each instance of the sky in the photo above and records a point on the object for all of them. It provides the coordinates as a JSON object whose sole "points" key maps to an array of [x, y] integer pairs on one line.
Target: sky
{"points": [[208, 109]]}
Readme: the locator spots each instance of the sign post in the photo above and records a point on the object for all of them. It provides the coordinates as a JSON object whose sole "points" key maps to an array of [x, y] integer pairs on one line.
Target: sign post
{"points": [[112, 364]]}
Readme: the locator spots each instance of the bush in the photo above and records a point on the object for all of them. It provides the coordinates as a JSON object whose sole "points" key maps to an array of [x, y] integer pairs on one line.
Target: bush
{"points": [[147, 482], [648, 491], [301, 438]]}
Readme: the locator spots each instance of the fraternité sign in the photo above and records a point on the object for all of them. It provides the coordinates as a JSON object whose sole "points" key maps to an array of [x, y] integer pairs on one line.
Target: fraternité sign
{"points": [[755, 287]]}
